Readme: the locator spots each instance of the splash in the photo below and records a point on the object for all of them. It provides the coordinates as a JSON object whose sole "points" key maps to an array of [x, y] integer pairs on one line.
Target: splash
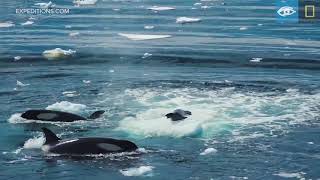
{"points": [[34, 143], [137, 171]]}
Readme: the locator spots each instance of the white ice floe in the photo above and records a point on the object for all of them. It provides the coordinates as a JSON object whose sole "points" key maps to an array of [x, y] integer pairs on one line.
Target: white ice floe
{"points": [[145, 55], [86, 81], [27, 23], [17, 58], [161, 8], [140, 37], [183, 20], [57, 53], [85, 2], [137, 171], [19, 83], [67, 106], [70, 93], [6, 24], [45, 5], [298, 175], [34, 143], [148, 27], [73, 34], [256, 60], [208, 151]]}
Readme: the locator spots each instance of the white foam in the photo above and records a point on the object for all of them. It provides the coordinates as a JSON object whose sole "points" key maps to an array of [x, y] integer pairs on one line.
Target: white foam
{"points": [[145, 55], [34, 143], [208, 151], [140, 37], [161, 8], [137, 171], [17, 58], [6, 24], [243, 28], [73, 34], [27, 23], [57, 53], [148, 27], [19, 83], [85, 2], [183, 20], [86, 81], [67, 106], [256, 60], [298, 175], [70, 93]]}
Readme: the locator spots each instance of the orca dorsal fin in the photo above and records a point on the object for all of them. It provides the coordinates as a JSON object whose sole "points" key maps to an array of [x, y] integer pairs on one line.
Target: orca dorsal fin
{"points": [[50, 136], [96, 114]]}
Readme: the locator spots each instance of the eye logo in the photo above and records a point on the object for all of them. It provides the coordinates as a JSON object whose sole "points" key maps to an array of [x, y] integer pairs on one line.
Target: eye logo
{"points": [[286, 11]]}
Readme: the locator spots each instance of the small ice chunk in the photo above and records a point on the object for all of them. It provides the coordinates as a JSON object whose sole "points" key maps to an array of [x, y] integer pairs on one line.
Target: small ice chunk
{"points": [[19, 83], [139, 37], [148, 27], [86, 81], [17, 58], [85, 2], [72, 34], [161, 8], [57, 53], [145, 55], [6, 24], [27, 23], [208, 151], [183, 20], [137, 171], [256, 60], [45, 5]]}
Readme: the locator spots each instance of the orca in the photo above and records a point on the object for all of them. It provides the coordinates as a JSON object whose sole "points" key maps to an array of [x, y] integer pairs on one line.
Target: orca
{"points": [[85, 146], [57, 116], [178, 115]]}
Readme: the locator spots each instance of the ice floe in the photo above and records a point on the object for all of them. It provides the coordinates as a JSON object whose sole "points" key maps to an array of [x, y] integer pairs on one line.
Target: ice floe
{"points": [[57, 53], [256, 60], [19, 83], [137, 171], [85, 2], [208, 151], [183, 20], [70, 93], [27, 23], [139, 37], [67, 106], [298, 175], [45, 5], [6, 24], [161, 8]]}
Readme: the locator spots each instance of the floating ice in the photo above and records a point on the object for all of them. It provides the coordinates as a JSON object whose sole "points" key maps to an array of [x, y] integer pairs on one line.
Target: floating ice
{"points": [[183, 20], [19, 83], [140, 37], [298, 175], [67, 106], [161, 8], [72, 34], [57, 53], [208, 151], [27, 23], [17, 58], [45, 5], [148, 27], [137, 171], [197, 4], [145, 55], [6, 24], [256, 60], [86, 81], [85, 2], [70, 93]]}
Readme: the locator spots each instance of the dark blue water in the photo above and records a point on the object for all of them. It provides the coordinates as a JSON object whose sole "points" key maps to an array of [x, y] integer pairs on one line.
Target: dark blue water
{"points": [[250, 120]]}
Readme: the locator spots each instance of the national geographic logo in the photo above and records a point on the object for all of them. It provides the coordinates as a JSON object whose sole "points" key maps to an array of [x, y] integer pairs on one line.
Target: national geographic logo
{"points": [[294, 11]]}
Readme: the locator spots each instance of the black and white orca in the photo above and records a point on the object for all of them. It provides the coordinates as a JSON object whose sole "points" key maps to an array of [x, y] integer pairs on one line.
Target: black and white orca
{"points": [[84, 146], [56, 116], [178, 115]]}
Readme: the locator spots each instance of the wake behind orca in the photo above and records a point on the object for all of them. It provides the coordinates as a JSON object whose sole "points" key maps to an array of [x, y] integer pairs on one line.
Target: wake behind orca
{"points": [[85, 146], [56, 116]]}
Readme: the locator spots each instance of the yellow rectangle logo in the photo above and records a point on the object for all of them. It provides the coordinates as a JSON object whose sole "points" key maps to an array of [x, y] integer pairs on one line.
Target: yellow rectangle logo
{"points": [[309, 11]]}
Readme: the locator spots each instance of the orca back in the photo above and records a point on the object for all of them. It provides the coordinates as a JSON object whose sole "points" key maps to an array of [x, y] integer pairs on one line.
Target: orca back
{"points": [[49, 115]]}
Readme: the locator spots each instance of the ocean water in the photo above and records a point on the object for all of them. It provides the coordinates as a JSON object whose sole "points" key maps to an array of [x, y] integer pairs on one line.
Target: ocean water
{"points": [[252, 85]]}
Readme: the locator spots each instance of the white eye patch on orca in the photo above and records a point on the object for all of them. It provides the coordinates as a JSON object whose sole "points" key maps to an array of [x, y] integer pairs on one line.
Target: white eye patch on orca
{"points": [[109, 147], [46, 116]]}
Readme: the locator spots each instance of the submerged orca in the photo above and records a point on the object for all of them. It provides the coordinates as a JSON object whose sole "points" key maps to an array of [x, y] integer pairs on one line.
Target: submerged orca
{"points": [[81, 146], [49, 115], [178, 115]]}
